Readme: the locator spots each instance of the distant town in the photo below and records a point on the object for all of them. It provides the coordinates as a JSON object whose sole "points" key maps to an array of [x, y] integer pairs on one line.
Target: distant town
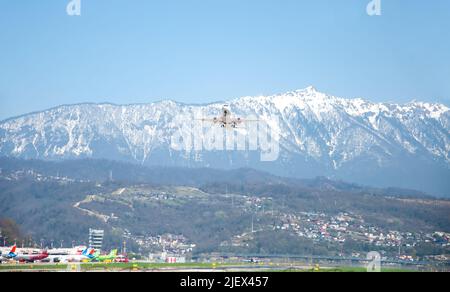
{"points": [[348, 234]]}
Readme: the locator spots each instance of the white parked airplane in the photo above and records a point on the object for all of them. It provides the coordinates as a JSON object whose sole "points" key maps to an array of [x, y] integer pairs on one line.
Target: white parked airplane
{"points": [[86, 254]]}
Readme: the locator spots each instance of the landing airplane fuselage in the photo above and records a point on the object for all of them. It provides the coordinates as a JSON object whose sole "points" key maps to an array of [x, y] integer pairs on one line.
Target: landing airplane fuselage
{"points": [[226, 120]]}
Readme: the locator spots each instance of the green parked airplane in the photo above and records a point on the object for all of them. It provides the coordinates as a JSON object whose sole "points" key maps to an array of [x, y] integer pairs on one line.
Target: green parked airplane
{"points": [[105, 258]]}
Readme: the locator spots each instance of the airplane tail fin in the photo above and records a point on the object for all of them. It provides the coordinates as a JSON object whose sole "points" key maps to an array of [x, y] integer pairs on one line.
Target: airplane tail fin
{"points": [[12, 253], [113, 253], [88, 251]]}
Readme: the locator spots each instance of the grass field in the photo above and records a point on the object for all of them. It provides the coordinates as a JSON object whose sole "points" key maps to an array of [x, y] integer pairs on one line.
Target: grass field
{"points": [[354, 270], [18, 267], [86, 267], [112, 266], [140, 266]]}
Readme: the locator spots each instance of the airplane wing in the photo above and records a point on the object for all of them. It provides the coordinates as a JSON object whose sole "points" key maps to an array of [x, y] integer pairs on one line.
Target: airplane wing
{"points": [[214, 120], [206, 120], [240, 121]]}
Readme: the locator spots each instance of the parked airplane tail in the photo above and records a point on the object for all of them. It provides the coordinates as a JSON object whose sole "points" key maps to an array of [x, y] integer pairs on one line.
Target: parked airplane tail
{"points": [[91, 254], [12, 253]]}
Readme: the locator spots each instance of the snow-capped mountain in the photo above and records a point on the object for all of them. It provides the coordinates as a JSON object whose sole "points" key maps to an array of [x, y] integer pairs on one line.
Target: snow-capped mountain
{"points": [[380, 144]]}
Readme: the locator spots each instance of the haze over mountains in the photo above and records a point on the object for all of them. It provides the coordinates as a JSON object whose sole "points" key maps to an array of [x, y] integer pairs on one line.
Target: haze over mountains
{"points": [[377, 144]]}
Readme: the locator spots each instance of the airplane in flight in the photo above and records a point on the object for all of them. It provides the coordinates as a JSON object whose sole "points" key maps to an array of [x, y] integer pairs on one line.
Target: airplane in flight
{"points": [[29, 258], [226, 120]]}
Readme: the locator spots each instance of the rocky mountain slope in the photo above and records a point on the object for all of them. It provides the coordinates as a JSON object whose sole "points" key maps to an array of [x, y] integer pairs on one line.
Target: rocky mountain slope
{"points": [[379, 144]]}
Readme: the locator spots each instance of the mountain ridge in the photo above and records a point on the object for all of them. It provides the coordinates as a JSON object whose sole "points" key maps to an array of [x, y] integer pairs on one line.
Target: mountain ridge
{"points": [[321, 135], [311, 88]]}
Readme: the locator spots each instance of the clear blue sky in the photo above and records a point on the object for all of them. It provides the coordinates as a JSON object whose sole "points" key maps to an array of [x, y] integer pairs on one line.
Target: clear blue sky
{"points": [[196, 51]]}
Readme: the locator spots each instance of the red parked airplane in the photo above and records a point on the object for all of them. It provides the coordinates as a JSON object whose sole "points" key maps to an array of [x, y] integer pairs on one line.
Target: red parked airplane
{"points": [[29, 258]]}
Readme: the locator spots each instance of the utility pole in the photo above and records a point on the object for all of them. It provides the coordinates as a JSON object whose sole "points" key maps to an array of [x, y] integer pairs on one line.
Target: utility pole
{"points": [[253, 231]]}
